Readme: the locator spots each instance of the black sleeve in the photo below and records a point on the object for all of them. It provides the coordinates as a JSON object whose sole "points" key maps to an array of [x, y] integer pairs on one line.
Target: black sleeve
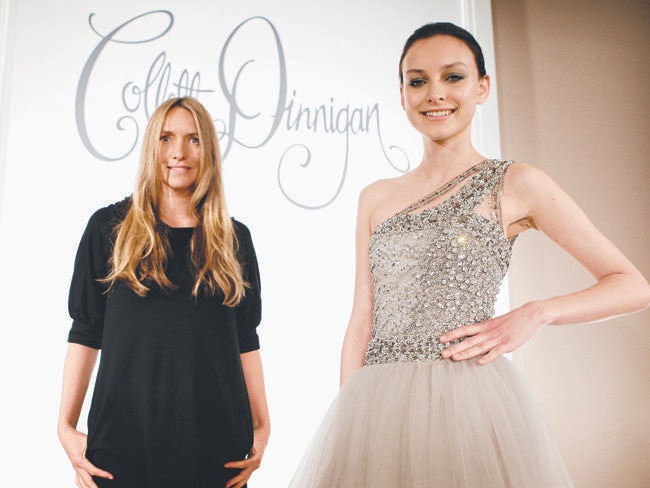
{"points": [[87, 297], [249, 311]]}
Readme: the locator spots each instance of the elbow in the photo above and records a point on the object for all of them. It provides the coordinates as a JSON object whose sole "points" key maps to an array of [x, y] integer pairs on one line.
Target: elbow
{"points": [[641, 294], [646, 297]]}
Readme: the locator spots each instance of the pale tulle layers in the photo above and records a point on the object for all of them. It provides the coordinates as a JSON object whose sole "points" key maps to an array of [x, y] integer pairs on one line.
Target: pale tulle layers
{"points": [[438, 424], [409, 419]]}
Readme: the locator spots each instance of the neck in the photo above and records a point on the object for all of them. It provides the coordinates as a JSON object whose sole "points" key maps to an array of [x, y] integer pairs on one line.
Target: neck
{"points": [[448, 158], [175, 209]]}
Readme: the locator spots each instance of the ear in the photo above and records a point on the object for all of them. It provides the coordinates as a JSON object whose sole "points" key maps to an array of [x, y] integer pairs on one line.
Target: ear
{"points": [[483, 89], [401, 95]]}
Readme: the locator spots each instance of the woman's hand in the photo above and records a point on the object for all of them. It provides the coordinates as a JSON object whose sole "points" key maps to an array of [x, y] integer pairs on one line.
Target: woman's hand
{"points": [[494, 337], [252, 366], [74, 443], [247, 466]]}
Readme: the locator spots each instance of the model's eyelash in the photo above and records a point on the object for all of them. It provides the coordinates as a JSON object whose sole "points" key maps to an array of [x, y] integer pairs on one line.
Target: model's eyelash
{"points": [[416, 82], [455, 77]]}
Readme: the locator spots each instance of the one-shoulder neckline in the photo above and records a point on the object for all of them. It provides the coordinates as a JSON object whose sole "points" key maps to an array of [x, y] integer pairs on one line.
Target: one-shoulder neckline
{"points": [[468, 174], [444, 188]]}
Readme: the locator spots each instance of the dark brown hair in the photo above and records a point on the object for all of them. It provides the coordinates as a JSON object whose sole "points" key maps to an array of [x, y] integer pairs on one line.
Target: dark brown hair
{"points": [[445, 29]]}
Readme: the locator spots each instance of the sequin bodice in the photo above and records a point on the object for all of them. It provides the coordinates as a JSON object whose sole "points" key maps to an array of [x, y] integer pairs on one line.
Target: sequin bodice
{"points": [[437, 269]]}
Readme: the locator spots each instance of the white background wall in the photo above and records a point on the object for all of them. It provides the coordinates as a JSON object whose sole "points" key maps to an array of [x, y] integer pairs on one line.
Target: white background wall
{"points": [[63, 153]]}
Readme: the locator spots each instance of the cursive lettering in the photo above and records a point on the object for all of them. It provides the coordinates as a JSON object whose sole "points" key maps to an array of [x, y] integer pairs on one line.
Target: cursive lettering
{"points": [[317, 123], [156, 88]]}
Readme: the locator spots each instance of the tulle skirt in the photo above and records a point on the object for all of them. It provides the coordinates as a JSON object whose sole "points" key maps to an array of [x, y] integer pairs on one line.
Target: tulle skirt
{"points": [[438, 424]]}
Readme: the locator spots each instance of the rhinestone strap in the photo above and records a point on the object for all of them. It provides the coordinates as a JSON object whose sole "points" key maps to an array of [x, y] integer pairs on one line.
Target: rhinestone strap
{"points": [[443, 189]]}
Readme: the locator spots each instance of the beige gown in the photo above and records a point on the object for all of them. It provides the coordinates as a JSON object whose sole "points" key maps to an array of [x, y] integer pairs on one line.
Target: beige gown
{"points": [[409, 419]]}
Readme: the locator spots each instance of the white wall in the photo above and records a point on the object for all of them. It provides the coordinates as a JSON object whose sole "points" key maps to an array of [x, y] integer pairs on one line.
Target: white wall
{"points": [[67, 85]]}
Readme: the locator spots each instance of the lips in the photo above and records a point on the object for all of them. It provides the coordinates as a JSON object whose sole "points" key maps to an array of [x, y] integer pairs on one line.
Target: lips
{"points": [[438, 113]]}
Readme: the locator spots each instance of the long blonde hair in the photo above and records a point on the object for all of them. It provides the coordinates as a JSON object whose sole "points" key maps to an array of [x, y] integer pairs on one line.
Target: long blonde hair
{"points": [[142, 249]]}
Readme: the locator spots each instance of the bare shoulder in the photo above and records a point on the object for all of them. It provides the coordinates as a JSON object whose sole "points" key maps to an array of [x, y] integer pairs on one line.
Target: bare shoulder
{"points": [[528, 185], [377, 192], [381, 199], [529, 194], [379, 187], [524, 177]]}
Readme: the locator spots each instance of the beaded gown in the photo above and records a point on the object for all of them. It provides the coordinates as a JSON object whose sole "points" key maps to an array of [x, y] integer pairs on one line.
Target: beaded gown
{"points": [[409, 419]]}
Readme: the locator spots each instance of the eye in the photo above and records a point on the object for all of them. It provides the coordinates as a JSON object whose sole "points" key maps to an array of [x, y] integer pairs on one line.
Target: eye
{"points": [[164, 138], [454, 77], [416, 82], [194, 140]]}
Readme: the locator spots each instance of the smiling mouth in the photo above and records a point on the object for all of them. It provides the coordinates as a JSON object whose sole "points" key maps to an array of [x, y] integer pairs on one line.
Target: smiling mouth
{"points": [[438, 113]]}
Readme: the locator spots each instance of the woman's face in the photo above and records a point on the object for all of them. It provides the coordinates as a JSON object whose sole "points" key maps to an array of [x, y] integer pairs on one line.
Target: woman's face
{"points": [[441, 87], [179, 151]]}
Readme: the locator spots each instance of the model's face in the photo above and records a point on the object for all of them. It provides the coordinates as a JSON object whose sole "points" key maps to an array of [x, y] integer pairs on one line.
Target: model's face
{"points": [[441, 87], [179, 151]]}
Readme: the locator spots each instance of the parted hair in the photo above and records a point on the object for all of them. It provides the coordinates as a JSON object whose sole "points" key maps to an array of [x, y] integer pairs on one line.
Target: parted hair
{"points": [[141, 249]]}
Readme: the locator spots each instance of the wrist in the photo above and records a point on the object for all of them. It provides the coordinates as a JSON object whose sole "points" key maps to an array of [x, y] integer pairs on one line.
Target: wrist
{"points": [[65, 428], [261, 437], [541, 312]]}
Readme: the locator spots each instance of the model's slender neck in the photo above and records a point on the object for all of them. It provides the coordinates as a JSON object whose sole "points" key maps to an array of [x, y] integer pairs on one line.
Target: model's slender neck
{"points": [[444, 159]]}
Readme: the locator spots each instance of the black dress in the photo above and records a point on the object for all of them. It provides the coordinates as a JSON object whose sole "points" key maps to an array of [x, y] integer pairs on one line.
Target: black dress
{"points": [[170, 405]]}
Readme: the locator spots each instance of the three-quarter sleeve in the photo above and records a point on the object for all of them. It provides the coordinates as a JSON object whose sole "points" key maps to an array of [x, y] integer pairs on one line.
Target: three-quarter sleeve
{"points": [[87, 297], [249, 311]]}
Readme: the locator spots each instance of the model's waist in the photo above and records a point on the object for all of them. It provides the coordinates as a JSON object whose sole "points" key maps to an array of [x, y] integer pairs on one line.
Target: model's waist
{"points": [[405, 348]]}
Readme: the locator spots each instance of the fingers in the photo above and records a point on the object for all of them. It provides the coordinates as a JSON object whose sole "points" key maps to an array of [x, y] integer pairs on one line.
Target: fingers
{"points": [[490, 356], [470, 351], [85, 472], [484, 339], [460, 332], [241, 479], [247, 466], [84, 480], [75, 443], [253, 461], [492, 338], [93, 470]]}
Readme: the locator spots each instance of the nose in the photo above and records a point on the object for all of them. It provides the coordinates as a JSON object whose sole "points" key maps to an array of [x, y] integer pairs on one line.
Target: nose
{"points": [[178, 151], [436, 92]]}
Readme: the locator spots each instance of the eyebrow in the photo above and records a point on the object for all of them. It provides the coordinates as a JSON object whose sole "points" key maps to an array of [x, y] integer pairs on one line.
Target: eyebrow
{"points": [[191, 134], [446, 66]]}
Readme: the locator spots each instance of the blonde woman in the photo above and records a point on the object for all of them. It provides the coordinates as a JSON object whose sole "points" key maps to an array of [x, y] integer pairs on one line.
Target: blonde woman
{"points": [[167, 286]]}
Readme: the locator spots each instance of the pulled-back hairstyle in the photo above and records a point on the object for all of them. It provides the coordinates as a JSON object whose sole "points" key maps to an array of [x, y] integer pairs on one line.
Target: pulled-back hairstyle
{"points": [[445, 29], [142, 248]]}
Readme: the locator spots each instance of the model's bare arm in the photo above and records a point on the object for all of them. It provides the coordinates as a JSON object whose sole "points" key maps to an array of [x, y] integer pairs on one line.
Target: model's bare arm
{"points": [[619, 287], [359, 328]]}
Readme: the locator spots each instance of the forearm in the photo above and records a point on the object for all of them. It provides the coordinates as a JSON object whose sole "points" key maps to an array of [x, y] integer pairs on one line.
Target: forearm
{"points": [[613, 295], [79, 364], [353, 353], [254, 378]]}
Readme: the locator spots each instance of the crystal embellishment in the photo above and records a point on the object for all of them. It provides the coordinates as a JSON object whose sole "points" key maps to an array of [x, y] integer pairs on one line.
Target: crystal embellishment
{"points": [[439, 268]]}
